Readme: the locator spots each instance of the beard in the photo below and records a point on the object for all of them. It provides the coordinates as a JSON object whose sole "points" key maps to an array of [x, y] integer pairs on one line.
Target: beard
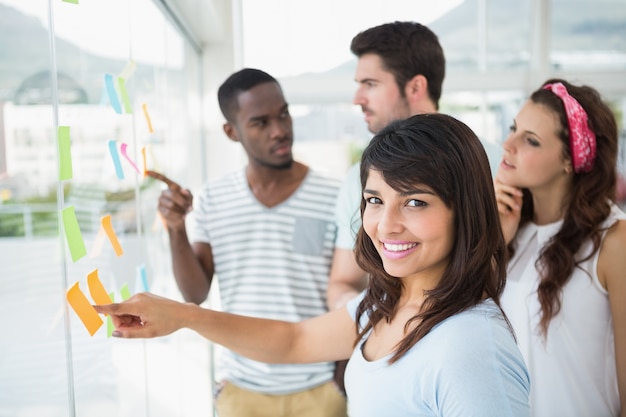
{"points": [[285, 165], [282, 166]]}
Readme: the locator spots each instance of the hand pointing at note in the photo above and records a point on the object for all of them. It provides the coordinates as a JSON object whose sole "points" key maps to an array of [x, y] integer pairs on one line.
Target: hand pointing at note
{"points": [[192, 263], [174, 203]]}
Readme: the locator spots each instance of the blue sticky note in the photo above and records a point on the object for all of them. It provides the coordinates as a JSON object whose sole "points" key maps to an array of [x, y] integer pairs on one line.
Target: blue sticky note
{"points": [[119, 171], [142, 279], [113, 99]]}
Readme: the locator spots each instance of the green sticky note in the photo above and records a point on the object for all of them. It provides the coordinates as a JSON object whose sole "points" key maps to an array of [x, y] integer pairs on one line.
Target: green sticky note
{"points": [[72, 234], [110, 326], [125, 292], [65, 156], [121, 85], [71, 1]]}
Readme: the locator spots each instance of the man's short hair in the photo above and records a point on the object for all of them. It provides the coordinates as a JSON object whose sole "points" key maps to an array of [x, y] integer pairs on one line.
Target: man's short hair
{"points": [[237, 83], [406, 49]]}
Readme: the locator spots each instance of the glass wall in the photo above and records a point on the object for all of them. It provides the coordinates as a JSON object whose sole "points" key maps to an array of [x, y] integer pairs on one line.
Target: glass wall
{"points": [[91, 94]]}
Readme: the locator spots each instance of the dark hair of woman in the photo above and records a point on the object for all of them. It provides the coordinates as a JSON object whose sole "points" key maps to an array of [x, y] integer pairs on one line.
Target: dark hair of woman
{"points": [[443, 154]]}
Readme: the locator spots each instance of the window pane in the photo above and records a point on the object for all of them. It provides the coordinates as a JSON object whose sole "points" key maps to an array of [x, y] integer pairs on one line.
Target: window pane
{"points": [[51, 366]]}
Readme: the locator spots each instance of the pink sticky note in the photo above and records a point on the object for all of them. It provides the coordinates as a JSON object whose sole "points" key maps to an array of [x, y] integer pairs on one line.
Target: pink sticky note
{"points": [[124, 150]]}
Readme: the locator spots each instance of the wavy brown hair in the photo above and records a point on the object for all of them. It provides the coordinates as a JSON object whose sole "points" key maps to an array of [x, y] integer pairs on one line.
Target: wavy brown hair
{"points": [[588, 201], [444, 154]]}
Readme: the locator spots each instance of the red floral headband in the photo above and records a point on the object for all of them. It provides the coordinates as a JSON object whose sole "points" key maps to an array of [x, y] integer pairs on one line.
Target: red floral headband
{"points": [[582, 140]]}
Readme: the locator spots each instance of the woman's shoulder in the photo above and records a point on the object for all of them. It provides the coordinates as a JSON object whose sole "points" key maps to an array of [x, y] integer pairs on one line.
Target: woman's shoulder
{"points": [[478, 341], [611, 260], [478, 325]]}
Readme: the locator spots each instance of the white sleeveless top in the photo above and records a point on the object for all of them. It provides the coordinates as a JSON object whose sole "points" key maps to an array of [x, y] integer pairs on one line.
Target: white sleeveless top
{"points": [[573, 372]]}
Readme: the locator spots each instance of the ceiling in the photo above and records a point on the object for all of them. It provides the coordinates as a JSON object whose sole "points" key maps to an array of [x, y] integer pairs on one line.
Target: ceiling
{"points": [[203, 18]]}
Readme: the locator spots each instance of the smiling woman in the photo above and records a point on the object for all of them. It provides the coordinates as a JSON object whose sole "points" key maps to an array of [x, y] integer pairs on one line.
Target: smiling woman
{"points": [[430, 341], [412, 230]]}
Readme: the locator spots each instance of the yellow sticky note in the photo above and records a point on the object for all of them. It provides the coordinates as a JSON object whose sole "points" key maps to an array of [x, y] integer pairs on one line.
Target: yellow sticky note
{"points": [[72, 234], [65, 156], [128, 70], [145, 160], [108, 228], [83, 308], [144, 106], [98, 294]]}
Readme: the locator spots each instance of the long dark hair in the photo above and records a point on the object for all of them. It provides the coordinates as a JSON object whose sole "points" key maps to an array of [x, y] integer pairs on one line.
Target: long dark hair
{"points": [[444, 154], [588, 202]]}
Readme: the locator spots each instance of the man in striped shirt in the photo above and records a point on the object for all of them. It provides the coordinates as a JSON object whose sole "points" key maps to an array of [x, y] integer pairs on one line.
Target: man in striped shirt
{"points": [[267, 232]]}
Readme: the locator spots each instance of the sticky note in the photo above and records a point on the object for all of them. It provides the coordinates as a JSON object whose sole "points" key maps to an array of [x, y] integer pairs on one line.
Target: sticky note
{"points": [[71, 1], [65, 156], [144, 158], [121, 86], [110, 88], [83, 308], [128, 70], [96, 289], [124, 150], [119, 171], [72, 234], [108, 229], [125, 292], [142, 278], [110, 326], [144, 106]]}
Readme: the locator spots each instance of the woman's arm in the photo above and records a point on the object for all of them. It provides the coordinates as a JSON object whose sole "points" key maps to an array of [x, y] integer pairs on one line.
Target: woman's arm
{"points": [[328, 337], [611, 267]]}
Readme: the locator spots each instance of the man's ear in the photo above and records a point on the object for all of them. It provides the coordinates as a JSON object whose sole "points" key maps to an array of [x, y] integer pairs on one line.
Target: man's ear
{"points": [[416, 89], [230, 131]]}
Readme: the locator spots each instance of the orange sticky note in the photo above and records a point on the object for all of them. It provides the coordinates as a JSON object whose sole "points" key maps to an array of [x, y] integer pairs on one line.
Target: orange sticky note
{"points": [[98, 294], [83, 308], [108, 228], [145, 160], [144, 106]]}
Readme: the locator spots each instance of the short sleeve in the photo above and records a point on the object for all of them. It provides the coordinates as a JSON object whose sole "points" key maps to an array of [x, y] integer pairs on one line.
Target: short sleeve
{"points": [[354, 304], [347, 213], [198, 218]]}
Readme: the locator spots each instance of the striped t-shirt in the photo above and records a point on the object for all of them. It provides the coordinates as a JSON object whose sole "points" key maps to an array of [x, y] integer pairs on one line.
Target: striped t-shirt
{"points": [[272, 263]]}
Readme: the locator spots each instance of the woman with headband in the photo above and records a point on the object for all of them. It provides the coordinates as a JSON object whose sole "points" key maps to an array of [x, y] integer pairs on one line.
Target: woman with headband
{"points": [[566, 285]]}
